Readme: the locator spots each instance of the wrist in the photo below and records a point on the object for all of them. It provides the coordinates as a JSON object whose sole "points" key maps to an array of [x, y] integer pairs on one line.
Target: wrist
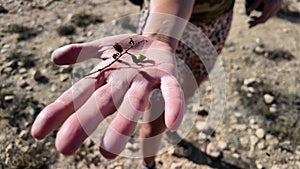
{"points": [[165, 27], [167, 20], [172, 42]]}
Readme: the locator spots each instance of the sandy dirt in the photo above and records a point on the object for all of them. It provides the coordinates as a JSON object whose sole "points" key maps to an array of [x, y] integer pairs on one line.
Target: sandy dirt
{"points": [[259, 128]]}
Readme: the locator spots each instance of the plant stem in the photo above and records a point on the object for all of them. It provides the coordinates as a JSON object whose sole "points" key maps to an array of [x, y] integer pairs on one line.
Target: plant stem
{"points": [[117, 58]]}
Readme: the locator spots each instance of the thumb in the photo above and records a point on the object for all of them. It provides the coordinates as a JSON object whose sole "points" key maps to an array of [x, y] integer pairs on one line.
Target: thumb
{"points": [[71, 54]]}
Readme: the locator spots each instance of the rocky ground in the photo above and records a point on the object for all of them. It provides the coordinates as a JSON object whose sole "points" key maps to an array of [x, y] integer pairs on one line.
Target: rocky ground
{"points": [[259, 128]]}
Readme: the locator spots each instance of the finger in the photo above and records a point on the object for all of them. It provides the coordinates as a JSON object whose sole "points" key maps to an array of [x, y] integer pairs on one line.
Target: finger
{"points": [[253, 6], [253, 21], [57, 112], [74, 53], [70, 136], [266, 14], [84, 122], [122, 126], [116, 136], [152, 128], [174, 102]]}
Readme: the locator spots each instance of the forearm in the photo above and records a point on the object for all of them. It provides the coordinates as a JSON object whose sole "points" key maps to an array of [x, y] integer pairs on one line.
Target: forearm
{"points": [[167, 20], [180, 8]]}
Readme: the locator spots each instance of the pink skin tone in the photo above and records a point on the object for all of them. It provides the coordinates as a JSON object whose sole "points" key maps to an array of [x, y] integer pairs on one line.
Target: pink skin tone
{"points": [[97, 95], [271, 7]]}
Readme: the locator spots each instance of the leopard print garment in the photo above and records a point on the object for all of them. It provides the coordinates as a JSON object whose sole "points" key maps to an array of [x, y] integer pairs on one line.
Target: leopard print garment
{"points": [[215, 30]]}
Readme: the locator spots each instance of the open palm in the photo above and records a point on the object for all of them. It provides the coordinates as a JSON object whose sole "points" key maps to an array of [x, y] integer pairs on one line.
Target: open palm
{"points": [[123, 87]]}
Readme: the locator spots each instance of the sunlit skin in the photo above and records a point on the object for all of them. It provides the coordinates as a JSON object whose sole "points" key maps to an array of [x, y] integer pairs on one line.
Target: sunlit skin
{"points": [[143, 78]]}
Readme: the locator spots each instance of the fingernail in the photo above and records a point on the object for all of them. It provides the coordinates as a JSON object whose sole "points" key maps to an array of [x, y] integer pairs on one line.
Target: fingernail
{"points": [[57, 51]]}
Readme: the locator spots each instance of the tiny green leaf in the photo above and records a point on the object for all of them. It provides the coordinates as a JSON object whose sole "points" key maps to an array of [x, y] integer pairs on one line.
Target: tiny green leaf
{"points": [[137, 59], [141, 57]]}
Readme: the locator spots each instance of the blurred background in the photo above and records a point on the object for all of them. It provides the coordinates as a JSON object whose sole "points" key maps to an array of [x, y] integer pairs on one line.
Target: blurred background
{"points": [[260, 126]]}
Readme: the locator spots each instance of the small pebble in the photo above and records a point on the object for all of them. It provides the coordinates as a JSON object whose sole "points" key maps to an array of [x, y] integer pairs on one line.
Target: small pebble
{"points": [[177, 165], [271, 140], [244, 88], [21, 64], [260, 133], [236, 67], [53, 88], [202, 137], [253, 142], [23, 134], [276, 167], [252, 121], [244, 141], [29, 88], [9, 148], [3, 50], [12, 64], [258, 41], [7, 69], [31, 111], [273, 108], [222, 145], [7, 161], [37, 75], [261, 145], [195, 107], [22, 70], [259, 165], [268, 98], [231, 49], [23, 84], [235, 155], [249, 81], [200, 125], [286, 30], [213, 150], [9, 98], [259, 50], [251, 89], [294, 7], [254, 126], [64, 78], [238, 114], [240, 127]]}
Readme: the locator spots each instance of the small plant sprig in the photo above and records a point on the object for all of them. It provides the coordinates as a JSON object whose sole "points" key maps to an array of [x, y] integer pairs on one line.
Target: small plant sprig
{"points": [[120, 52]]}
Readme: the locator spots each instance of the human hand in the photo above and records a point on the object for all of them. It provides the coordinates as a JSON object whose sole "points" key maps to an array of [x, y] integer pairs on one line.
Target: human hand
{"points": [[123, 87], [268, 8]]}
